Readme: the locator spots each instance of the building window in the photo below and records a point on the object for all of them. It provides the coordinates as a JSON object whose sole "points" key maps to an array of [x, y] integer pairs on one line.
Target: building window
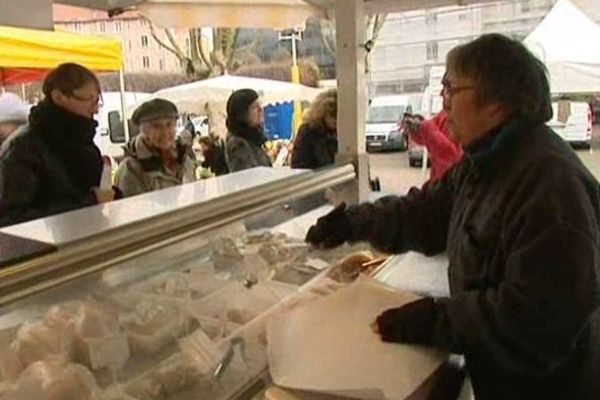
{"points": [[161, 65], [525, 6], [144, 41], [462, 16], [432, 51], [103, 27], [146, 62], [118, 26]]}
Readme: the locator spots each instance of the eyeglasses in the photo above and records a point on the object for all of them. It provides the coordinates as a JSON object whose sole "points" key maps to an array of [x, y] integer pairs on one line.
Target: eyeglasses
{"points": [[96, 100], [452, 90]]}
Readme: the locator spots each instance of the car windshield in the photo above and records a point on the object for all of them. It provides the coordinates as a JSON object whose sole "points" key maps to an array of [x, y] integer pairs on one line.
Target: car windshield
{"points": [[385, 114]]}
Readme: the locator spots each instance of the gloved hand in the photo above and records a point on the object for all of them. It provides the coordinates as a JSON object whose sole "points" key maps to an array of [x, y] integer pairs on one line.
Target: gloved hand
{"points": [[331, 230], [412, 323]]}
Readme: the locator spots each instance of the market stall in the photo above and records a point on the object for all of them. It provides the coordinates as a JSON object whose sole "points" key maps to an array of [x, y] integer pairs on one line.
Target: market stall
{"points": [[26, 55]]}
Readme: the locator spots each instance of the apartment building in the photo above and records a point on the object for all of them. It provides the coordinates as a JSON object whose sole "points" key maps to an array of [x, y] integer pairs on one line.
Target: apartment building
{"points": [[140, 51], [411, 43]]}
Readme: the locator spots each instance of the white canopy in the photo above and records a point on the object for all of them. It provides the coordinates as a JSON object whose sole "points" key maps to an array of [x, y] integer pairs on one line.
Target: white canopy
{"points": [[568, 42], [191, 97]]}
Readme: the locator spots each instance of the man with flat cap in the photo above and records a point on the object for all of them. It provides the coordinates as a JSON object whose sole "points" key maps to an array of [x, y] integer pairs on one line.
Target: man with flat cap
{"points": [[154, 159]]}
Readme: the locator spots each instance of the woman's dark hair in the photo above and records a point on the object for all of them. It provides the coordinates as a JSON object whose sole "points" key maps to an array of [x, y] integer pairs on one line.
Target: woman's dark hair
{"points": [[238, 106], [504, 71], [67, 78]]}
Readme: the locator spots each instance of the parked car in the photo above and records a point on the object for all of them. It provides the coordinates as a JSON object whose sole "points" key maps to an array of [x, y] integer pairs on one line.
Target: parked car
{"points": [[383, 130], [415, 155], [200, 125], [577, 129], [110, 138]]}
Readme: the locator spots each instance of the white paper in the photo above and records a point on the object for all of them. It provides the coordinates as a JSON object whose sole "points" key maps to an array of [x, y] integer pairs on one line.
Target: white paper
{"points": [[317, 263], [327, 345]]}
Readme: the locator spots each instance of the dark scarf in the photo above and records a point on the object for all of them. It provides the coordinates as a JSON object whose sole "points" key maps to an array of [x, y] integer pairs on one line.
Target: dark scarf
{"points": [[70, 138]]}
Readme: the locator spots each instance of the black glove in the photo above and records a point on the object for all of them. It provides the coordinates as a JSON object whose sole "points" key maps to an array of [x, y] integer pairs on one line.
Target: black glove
{"points": [[331, 230], [412, 323]]}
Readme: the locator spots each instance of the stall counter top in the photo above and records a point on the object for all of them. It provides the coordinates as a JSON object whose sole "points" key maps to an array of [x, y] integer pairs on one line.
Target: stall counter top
{"points": [[66, 228]]}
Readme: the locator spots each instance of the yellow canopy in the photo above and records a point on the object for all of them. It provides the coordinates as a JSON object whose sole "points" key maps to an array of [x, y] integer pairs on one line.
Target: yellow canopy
{"points": [[38, 49]]}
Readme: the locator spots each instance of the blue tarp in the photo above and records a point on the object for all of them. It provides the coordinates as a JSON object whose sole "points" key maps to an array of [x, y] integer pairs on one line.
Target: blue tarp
{"points": [[279, 121]]}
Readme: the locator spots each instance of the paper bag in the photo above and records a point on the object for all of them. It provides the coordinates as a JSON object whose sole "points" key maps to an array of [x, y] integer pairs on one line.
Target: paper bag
{"points": [[327, 345]]}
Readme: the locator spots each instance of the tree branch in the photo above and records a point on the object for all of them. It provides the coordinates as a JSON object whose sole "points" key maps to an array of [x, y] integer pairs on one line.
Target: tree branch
{"points": [[325, 36], [204, 57], [160, 42], [175, 44], [231, 48]]}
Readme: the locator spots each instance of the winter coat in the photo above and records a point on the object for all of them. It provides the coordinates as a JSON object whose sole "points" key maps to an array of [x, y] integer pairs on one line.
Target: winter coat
{"points": [[48, 166], [519, 218], [314, 147], [143, 169], [443, 151], [242, 154]]}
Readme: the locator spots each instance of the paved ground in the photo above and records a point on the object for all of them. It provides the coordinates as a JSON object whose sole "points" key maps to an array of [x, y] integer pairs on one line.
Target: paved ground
{"points": [[397, 177]]}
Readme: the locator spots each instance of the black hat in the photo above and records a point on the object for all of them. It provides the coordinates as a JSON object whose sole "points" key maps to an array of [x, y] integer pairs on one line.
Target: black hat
{"points": [[154, 109]]}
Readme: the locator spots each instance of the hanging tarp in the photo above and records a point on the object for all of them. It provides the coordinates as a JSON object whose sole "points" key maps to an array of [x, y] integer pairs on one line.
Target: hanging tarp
{"points": [[26, 54]]}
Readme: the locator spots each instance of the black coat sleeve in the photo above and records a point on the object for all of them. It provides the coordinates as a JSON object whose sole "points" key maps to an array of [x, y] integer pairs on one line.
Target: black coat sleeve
{"points": [[20, 186], [418, 221], [532, 320], [302, 152]]}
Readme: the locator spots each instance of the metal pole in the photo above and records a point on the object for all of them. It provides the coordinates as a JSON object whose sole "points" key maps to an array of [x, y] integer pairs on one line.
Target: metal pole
{"points": [[352, 96], [294, 55], [123, 115], [23, 95]]}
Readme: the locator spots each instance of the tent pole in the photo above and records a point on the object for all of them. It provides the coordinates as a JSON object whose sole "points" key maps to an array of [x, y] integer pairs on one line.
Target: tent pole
{"points": [[123, 115], [23, 92], [352, 96]]}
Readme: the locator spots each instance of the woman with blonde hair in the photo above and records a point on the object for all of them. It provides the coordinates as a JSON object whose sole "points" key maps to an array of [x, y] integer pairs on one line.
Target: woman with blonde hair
{"points": [[316, 142]]}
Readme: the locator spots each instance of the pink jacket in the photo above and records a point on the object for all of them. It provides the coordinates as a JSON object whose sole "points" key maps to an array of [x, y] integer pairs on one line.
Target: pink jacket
{"points": [[443, 151]]}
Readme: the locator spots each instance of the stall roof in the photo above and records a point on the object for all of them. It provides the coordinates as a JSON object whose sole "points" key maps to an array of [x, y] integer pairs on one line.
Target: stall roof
{"points": [[571, 55], [276, 14], [27, 54]]}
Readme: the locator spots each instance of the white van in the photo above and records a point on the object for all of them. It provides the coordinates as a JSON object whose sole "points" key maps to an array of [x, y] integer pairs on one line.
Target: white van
{"points": [[383, 121], [111, 144], [577, 129]]}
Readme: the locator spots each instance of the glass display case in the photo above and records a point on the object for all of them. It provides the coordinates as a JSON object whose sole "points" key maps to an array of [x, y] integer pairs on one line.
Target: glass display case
{"points": [[166, 297]]}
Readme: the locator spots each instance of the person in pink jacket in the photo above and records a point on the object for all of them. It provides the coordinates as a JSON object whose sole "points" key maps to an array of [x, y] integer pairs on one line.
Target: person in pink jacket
{"points": [[435, 135]]}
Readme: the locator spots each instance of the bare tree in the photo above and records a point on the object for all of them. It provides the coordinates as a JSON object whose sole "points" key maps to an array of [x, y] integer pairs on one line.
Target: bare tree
{"points": [[201, 62], [374, 23]]}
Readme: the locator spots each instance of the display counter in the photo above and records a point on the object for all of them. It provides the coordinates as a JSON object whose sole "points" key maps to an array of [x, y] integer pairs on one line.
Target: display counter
{"points": [[161, 296]]}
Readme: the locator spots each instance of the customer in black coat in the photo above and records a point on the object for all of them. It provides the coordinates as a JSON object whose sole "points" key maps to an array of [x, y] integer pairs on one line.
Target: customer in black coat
{"points": [[316, 142], [52, 165], [245, 145], [519, 217]]}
